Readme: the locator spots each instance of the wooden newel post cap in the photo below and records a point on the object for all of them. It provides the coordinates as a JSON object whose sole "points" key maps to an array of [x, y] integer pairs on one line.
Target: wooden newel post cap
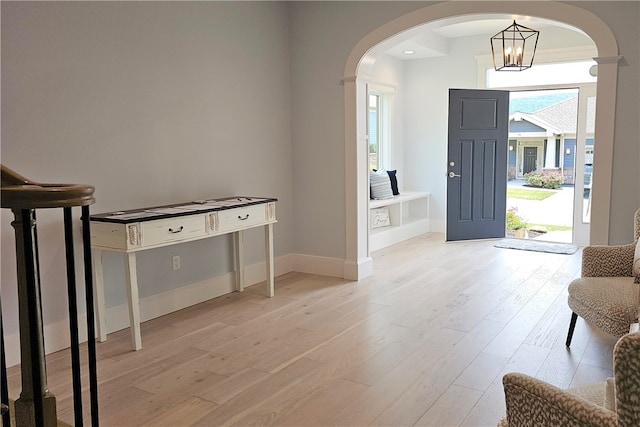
{"points": [[18, 192]]}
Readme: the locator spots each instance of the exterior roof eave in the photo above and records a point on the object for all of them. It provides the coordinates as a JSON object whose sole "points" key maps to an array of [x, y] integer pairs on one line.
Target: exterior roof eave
{"points": [[517, 116]]}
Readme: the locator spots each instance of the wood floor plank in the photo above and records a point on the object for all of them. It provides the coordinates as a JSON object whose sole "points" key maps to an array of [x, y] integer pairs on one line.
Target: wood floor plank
{"points": [[181, 376], [299, 395], [560, 366], [451, 408], [481, 372], [488, 409], [504, 312], [527, 360], [233, 385], [184, 414], [318, 409], [599, 352], [361, 337], [368, 406], [586, 374], [434, 376], [389, 357], [242, 404]]}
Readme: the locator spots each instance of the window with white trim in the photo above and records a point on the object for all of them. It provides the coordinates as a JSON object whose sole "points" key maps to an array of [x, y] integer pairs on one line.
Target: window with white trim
{"points": [[379, 124]]}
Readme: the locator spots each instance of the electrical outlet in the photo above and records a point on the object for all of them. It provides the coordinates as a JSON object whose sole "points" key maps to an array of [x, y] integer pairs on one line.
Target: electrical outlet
{"points": [[176, 262]]}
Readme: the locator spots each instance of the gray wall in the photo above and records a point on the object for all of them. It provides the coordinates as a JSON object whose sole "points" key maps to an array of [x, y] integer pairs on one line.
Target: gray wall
{"points": [[152, 103], [160, 102], [322, 36]]}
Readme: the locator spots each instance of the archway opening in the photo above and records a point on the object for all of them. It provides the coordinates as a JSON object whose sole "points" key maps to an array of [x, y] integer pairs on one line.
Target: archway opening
{"points": [[359, 263]]}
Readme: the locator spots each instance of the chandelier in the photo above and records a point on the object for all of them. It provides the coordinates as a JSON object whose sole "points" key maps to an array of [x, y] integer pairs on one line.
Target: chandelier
{"points": [[514, 47]]}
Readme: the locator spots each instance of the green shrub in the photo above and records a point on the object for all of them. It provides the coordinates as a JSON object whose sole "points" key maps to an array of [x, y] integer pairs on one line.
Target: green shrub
{"points": [[514, 221], [544, 179]]}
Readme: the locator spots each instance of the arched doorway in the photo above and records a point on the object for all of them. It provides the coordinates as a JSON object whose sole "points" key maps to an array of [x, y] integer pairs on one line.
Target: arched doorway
{"points": [[358, 263]]}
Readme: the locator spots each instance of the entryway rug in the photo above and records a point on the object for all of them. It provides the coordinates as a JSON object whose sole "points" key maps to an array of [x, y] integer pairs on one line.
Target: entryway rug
{"points": [[533, 245]]}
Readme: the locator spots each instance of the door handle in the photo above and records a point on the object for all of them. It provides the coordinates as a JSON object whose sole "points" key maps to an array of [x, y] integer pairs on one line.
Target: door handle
{"points": [[452, 175]]}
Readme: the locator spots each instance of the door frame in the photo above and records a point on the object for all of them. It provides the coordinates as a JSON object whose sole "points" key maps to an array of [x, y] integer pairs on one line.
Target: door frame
{"points": [[582, 232], [358, 263], [522, 146], [525, 149]]}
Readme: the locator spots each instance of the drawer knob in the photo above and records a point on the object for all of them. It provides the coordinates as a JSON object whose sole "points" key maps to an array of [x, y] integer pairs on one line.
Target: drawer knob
{"points": [[244, 218], [171, 230]]}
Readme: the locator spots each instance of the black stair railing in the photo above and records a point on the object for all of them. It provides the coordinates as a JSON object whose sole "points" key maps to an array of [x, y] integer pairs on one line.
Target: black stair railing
{"points": [[36, 406]]}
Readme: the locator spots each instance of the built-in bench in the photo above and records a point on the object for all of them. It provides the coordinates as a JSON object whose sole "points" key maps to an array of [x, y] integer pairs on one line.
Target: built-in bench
{"points": [[408, 217]]}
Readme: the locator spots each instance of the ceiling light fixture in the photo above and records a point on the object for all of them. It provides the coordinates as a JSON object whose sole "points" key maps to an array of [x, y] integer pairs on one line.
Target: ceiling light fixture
{"points": [[511, 48], [409, 52]]}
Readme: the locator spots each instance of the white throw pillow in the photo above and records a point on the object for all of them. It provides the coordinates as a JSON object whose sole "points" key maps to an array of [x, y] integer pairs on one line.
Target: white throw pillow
{"points": [[380, 185]]}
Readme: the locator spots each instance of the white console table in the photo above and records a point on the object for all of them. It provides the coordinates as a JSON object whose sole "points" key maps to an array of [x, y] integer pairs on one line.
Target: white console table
{"points": [[141, 229]]}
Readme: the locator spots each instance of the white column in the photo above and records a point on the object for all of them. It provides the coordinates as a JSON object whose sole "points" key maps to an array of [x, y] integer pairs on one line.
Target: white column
{"points": [[550, 155], [358, 264]]}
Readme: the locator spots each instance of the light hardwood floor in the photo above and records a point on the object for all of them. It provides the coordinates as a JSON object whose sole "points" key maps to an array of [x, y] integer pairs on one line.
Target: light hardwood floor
{"points": [[424, 341]]}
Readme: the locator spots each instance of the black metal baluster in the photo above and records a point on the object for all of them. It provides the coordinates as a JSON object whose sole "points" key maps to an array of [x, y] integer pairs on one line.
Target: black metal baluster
{"points": [[91, 329], [73, 317], [34, 315], [4, 387]]}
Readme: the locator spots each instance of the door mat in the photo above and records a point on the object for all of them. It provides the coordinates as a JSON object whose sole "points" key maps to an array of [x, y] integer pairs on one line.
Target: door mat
{"points": [[533, 245]]}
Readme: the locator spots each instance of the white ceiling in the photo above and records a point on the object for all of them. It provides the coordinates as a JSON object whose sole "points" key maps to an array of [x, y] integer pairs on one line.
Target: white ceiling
{"points": [[432, 39]]}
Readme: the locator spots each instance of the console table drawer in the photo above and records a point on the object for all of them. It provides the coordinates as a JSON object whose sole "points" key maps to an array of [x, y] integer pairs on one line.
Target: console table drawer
{"points": [[235, 219], [172, 230]]}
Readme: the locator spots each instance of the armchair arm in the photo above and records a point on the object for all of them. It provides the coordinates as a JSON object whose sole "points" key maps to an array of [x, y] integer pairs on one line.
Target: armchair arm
{"points": [[534, 403], [608, 261], [626, 365]]}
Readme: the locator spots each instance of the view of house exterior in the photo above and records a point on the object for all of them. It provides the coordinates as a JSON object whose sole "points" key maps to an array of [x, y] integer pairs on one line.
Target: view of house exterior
{"points": [[543, 136]]}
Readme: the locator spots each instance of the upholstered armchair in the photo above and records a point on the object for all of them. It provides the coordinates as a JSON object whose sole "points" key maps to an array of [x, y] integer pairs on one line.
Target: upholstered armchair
{"points": [[531, 402], [605, 295]]}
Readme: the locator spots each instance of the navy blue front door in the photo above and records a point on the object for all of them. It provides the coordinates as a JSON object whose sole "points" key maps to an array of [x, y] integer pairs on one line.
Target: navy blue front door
{"points": [[477, 164]]}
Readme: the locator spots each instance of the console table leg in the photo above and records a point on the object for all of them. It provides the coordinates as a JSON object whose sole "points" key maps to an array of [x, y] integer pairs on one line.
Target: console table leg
{"points": [[98, 294], [268, 243], [134, 303], [239, 249]]}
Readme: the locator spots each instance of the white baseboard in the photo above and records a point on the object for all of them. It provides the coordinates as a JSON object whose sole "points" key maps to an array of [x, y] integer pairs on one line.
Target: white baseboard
{"points": [[173, 300], [324, 266], [56, 338], [358, 270]]}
